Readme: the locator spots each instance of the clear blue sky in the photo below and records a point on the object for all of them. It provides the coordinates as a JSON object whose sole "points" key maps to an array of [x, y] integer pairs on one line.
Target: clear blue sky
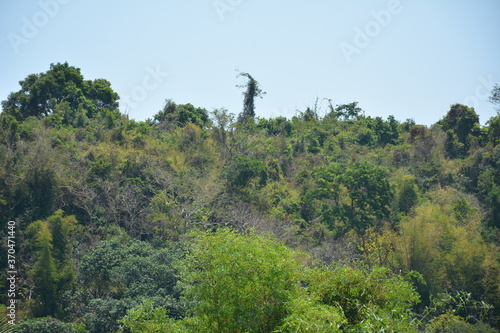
{"points": [[407, 58]]}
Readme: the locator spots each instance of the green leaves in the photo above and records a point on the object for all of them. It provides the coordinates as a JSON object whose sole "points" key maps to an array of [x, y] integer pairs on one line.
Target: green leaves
{"points": [[120, 273], [241, 170], [250, 283], [461, 123], [368, 299], [357, 195], [309, 315], [44, 274], [442, 241], [145, 318], [48, 325], [320, 184], [370, 193], [41, 94], [121, 267], [239, 283], [53, 273], [252, 90], [173, 115]]}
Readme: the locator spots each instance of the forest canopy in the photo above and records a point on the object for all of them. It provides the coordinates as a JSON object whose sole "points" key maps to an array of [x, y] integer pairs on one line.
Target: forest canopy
{"points": [[210, 221]]}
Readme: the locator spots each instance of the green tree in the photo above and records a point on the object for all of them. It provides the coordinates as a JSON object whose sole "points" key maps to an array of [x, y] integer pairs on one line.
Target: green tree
{"points": [[41, 94], [222, 127], [371, 300], [9, 130], [276, 126], [387, 132], [250, 283], [347, 111], [41, 187], [252, 90], [406, 194], [146, 318], [44, 272], [449, 323], [119, 273], [311, 316], [238, 283], [461, 123], [188, 113], [122, 267], [327, 189], [370, 194], [53, 272], [179, 115], [493, 129], [454, 148], [485, 180], [48, 325], [62, 229], [241, 170], [103, 315], [355, 196], [442, 241], [489, 191]]}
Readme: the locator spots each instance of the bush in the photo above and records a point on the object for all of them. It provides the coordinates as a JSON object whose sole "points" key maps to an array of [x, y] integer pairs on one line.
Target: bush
{"points": [[48, 325]]}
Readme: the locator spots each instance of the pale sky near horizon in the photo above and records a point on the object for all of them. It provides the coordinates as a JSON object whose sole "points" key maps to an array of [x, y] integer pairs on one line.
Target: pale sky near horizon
{"points": [[407, 58]]}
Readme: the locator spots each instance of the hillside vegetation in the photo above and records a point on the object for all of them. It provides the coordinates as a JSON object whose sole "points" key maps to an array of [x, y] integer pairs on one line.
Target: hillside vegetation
{"points": [[207, 221]]}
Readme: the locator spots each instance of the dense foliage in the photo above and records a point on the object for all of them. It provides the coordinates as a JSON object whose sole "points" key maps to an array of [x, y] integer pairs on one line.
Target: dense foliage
{"points": [[199, 221]]}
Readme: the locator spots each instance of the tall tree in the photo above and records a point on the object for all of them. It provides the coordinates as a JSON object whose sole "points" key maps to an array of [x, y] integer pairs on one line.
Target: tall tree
{"points": [[53, 272], [44, 272], [239, 283], [43, 94], [62, 229], [354, 196], [252, 90], [460, 123], [370, 194]]}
